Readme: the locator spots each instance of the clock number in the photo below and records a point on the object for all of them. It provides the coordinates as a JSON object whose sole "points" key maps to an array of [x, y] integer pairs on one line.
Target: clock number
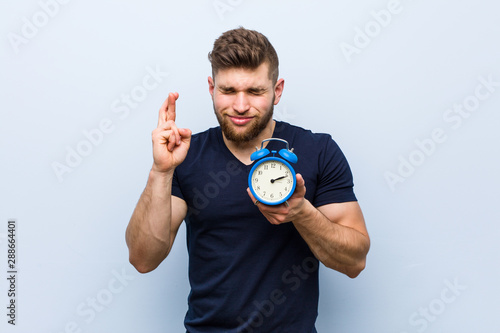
{"points": [[256, 180], [273, 165], [272, 195], [266, 167], [259, 172]]}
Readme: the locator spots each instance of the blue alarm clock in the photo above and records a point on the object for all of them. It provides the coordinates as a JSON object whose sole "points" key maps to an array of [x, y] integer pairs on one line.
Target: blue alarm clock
{"points": [[272, 179]]}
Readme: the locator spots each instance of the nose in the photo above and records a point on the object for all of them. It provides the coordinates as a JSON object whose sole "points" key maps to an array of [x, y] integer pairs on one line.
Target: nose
{"points": [[241, 103]]}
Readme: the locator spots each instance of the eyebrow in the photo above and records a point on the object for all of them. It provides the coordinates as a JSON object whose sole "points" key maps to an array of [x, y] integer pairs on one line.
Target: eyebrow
{"points": [[225, 88]]}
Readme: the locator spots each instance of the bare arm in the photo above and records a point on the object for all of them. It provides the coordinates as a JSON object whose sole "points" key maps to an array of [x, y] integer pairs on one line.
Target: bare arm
{"points": [[336, 233], [156, 219], [154, 224]]}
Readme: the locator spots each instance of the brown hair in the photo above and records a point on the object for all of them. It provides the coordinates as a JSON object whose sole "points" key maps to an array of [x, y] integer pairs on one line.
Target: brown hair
{"points": [[242, 48]]}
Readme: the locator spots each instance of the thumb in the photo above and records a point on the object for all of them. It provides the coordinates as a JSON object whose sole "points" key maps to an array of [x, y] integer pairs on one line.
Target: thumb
{"points": [[300, 188], [185, 133], [300, 180]]}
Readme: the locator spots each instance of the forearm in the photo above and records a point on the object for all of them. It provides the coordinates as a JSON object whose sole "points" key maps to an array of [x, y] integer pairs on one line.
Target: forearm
{"points": [[337, 246], [148, 234]]}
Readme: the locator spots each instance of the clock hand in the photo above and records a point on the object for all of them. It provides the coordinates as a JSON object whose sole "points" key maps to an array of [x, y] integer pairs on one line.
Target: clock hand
{"points": [[273, 180]]}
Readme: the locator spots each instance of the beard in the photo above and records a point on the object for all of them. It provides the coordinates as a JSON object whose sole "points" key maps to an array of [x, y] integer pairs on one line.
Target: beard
{"points": [[256, 126]]}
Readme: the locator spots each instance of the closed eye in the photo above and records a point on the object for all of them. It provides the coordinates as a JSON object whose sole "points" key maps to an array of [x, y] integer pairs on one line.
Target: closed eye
{"points": [[251, 91], [227, 90], [256, 91]]}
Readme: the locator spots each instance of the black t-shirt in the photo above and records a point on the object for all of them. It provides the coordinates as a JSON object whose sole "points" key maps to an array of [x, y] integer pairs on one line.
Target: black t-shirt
{"points": [[247, 275]]}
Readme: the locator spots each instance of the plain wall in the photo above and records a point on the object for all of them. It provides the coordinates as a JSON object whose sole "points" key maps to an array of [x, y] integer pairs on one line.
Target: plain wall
{"points": [[410, 90]]}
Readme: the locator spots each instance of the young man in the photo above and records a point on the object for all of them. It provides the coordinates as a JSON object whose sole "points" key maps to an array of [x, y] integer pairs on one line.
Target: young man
{"points": [[252, 267]]}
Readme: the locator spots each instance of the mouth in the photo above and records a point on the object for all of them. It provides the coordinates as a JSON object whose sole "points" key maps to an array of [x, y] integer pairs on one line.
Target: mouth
{"points": [[240, 121]]}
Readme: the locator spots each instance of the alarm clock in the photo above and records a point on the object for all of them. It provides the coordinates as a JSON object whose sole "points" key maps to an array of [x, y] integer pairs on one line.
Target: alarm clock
{"points": [[272, 179]]}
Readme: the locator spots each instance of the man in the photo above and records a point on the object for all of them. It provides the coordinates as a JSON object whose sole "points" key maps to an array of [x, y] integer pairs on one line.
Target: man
{"points": [[252, 267]]}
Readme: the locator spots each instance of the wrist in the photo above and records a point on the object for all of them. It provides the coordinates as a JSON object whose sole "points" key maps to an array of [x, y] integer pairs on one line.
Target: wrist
{"points": [[306, 214], [161, 175]]}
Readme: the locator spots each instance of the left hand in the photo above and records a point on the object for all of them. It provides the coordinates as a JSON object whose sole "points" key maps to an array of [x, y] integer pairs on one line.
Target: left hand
{"points": [[282, 213]]}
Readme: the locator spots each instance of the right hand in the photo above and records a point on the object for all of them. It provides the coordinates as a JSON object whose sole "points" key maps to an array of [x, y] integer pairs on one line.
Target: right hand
{"points": [[170, 143]]}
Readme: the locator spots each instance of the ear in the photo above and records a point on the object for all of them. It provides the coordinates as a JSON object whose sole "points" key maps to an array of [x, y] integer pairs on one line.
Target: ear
{"points": [[211, 86], [278, 90]]}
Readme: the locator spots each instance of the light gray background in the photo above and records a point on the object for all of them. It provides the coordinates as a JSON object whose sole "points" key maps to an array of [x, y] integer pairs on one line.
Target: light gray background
{"points": [[434, 235]]}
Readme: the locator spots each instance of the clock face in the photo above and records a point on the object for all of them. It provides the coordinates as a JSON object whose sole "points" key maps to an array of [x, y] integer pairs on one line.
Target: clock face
{"points": [[272, 181]]}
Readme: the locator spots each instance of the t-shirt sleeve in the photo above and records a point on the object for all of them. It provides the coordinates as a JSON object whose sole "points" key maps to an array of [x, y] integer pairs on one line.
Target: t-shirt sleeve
{"points": [[176, 189], [335, 183]]}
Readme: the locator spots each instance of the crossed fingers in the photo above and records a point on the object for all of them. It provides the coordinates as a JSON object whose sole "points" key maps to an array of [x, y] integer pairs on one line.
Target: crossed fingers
{"points": [[166, 122]]}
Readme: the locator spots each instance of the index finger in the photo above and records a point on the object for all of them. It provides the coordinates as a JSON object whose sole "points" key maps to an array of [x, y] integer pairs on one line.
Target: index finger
{"points": [[167, 110], [172, 97]]}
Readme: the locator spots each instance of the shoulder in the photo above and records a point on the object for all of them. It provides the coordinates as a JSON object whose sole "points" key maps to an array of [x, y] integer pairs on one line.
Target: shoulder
{"points": [[208, 134], [204, 140], [285, 127], [305, 137], [318, 149], [202, 144]]}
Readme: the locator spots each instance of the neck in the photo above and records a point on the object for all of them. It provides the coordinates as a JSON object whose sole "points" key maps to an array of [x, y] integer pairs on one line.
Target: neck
{"points": [[243, 150]]}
